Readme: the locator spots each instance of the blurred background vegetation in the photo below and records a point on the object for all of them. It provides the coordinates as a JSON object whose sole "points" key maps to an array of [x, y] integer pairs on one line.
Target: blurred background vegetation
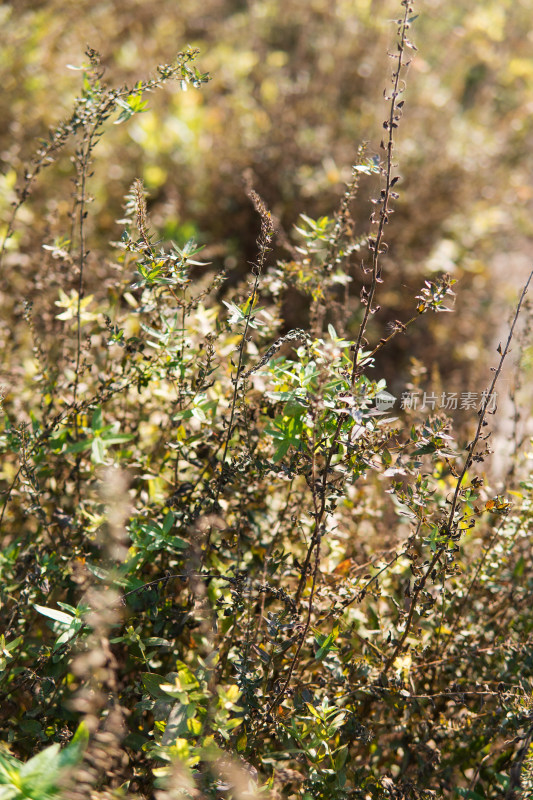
{"points": [[296, 87]]}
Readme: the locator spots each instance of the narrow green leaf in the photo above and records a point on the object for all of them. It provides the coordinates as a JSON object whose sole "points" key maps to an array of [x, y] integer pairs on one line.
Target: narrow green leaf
{"points": [[282, 450], [58, 616], [168, 522], [152, 683], [97, 450]]}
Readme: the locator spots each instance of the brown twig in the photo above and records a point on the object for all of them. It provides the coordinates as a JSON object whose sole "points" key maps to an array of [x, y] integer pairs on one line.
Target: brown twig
{"points": [[451, 525], [390, 125]]}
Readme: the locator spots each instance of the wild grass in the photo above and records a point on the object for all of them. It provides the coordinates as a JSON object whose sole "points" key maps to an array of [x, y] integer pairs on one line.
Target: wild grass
{"points": [[230, 566]]}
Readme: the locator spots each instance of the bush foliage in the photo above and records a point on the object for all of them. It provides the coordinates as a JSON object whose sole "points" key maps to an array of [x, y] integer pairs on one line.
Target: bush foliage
{"points": [[231, 566]]}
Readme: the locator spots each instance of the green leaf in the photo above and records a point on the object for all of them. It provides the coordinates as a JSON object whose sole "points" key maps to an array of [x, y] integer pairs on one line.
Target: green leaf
{"points": [[340, 757], [326, 644], [32, 727], [9, 767], [117, 438], [69, 634], [78, 447], [40, 772], [242, 741], [168, 522], [178, 542], [313, 711], [58, 616], [281, 451], [156, 641], [97, 450], [426, 449], [14, 644], [80, 738], [96, 422], [199, 414], [68, 607], [187, 678], [152, 683]]}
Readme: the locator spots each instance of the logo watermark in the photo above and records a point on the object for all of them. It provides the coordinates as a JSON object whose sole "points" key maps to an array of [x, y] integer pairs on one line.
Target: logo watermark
{"points": [[384, 401], [445, 401]]}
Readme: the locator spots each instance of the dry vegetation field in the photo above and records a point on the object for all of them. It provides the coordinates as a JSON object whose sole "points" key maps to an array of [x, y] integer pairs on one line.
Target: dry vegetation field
{"points": [[266, 379]]}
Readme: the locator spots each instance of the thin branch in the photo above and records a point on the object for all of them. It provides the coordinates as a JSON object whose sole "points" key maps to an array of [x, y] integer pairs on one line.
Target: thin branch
{"points": [[377, 243], [452, 524]]}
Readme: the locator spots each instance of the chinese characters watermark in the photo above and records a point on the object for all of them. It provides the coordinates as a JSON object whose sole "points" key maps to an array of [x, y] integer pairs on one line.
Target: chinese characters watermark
{"points": [[448, 401]]}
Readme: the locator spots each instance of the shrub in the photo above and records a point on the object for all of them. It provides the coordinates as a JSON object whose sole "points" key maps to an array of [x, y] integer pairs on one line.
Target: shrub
{"points": [[228, 570]]}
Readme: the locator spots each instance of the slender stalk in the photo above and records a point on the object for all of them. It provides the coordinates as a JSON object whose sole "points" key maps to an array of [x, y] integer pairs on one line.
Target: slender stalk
{"points": [[451, 524], [83, 166], [377, 242], [278, 698], [483, 411], [263, 242]]}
